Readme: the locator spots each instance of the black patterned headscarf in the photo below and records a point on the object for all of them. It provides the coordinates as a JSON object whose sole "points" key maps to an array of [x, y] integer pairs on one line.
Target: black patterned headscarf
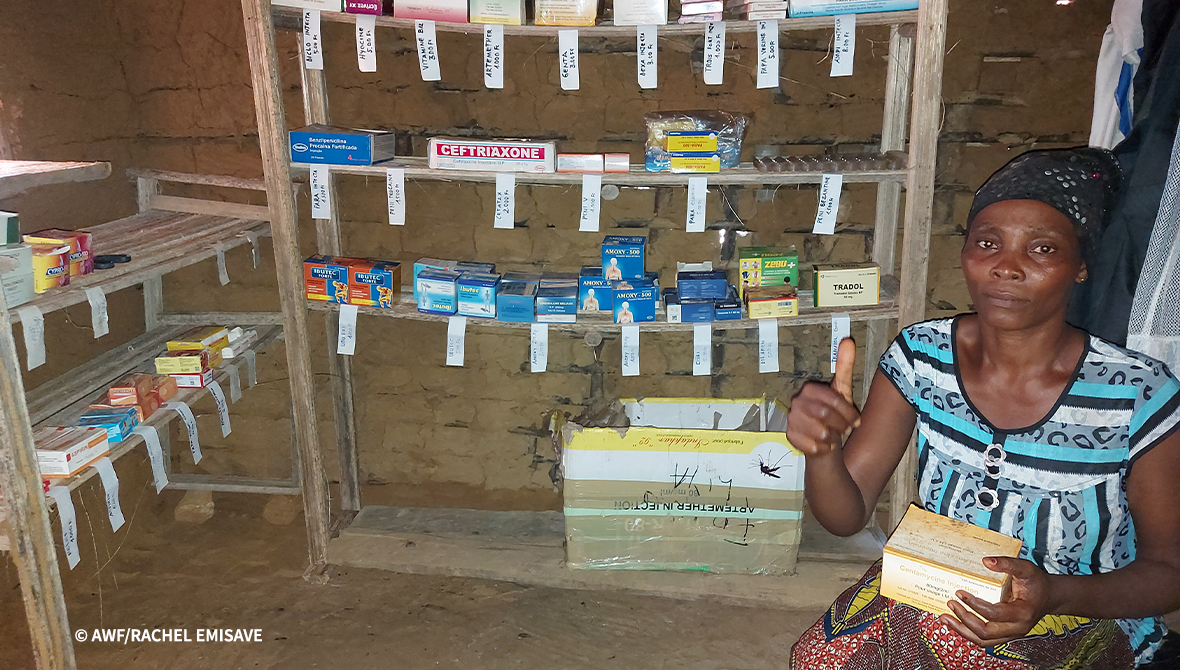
{"points": [[1081, 183]]}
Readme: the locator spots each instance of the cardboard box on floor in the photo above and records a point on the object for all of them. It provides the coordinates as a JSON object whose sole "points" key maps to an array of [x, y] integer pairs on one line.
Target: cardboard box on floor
{"points": [[682, 484]]}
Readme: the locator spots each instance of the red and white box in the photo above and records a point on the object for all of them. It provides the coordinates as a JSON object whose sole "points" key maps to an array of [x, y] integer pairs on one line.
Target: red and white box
{"points": [[492, 155], [579, 162], [193, 380], [64, 452]]}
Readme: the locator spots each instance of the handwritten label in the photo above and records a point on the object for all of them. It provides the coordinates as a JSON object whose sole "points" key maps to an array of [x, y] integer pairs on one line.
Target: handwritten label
{"points": [[190, 424], [346, 333], [69, 523], [591, 203], [768, 345], [493, 56], [253, 238], [844, 45], [32, 323], [702, 349], [505, 201], [456, 334], [366, 42], [539, 347], [251, 367], [714, 52], [829, 204], [222, 407], [321, 197], [841, 328], [646, 52], [99, 319], [630, 340], [313, 53], [110, 486], [151, 440], [567, 49], [698, 188], [767, 54], [222, 271], [235, 382], [427, 50], [395, 195]]}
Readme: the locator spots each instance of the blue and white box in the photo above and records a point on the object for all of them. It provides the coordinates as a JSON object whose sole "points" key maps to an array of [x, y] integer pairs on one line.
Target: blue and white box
{"points": [[622, 257], [697, 310], [437, 291], [801, 8], [558, 279], [594, 291], [475, 266], [710, 284], [635, 301], [430, 264], [477, 294], [671, 305], [340, 146], [557, 303], [521, 278], [727, 310], [516, 302]]}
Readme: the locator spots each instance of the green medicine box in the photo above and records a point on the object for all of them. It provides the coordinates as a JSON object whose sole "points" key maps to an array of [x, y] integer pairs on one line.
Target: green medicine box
{"points": [[767, 266]]}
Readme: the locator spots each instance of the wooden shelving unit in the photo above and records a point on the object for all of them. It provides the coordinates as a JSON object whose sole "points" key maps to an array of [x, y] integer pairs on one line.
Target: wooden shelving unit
{"points": [[19, 176]]}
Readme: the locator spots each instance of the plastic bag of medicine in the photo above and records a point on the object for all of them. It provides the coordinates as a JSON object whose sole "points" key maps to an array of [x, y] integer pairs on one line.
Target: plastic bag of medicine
{"points": [[729, 126]]}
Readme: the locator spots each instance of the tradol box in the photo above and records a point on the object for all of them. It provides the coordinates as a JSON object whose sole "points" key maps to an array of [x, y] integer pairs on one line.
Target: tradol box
{"points": [[930, 557], [622, 257], [847, 284]]}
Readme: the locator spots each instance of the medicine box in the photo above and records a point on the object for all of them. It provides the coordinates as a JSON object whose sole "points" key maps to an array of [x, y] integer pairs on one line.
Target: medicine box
{"points": [[431, 264], [702, 163], [771, 302], [340, 146], [671, 305], [696, 310], [17, 283], [640, 12], [565, 12], [801, 8], [847, 284], [709, 284], [450, 11], [930, 557], [166, 388], [193, 380], [622, 257], [64, 452], [692, 142], [521, 277], [492, 155], [363, 7], [616, 162], [473, 266], [51, 266], [558, 280], [594, 291], [635, 301], [9, 228], [374, 283], [767, 266], [729, 309], [143, 409], [80, 242], [184, 362], [516, 302], [557, 303], [325, 279], [477, 294], [118, 421], [213, 338], [503, 12], [131, 389], [438, 291], [579, 162], [324, 5]]}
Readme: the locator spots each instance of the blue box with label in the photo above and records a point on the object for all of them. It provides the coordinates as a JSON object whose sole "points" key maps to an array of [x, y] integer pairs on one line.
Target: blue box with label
{"points": [[801, 8], [557, 303], [118, 421], [696, 310], [709, 284], [516, 302], [430, 264], [671, 304], [340, 146], [634, 301], [727, 310], [594, 291], [622, 257], [475, 266], [438, 291], [477, 294], [521, 278], [558, 279]]}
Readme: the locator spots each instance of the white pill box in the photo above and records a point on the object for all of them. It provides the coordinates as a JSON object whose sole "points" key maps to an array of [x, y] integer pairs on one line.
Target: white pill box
{"points": [[63, 452]]}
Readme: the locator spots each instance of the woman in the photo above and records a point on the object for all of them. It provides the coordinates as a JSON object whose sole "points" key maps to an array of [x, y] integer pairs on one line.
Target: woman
{"points": [[1026, 425]]}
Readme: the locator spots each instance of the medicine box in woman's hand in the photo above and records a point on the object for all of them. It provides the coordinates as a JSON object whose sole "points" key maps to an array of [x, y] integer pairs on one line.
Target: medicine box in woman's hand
{"points": [[930, 557]]}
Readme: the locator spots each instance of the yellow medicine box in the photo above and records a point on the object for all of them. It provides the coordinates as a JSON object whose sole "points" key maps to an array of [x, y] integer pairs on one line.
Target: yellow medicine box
{"points": [[213, 338], [930, 557], [692, 141], [771, 302], [847, 284], [183, 362], [703, 164]]}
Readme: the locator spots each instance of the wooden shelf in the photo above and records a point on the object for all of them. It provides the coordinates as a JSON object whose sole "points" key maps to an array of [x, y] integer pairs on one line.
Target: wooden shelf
{"points": [[291, 19], [19, 176], [746, 174]]}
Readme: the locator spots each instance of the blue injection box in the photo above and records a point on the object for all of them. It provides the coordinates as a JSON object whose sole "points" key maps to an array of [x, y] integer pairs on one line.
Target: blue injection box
{"points": [[340, 146]]}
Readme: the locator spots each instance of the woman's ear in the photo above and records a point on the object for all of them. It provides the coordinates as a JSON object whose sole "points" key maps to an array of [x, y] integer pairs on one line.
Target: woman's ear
{"points": [[1083, 274]]}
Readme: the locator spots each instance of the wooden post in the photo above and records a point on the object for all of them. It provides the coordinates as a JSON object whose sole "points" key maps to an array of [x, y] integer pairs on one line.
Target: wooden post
{"points": [[919, 205], [284, 224], [153, 302], [146, 188], [28, 517], [315, 110]]}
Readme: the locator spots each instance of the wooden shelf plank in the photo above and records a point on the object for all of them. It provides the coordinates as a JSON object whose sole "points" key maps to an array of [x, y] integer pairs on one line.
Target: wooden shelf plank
{"points": [[746, 174], [19, 176]]}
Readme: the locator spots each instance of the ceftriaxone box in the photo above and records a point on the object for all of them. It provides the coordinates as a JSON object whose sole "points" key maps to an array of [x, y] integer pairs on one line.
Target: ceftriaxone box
{"points": [[491, 155], [930, 557]]}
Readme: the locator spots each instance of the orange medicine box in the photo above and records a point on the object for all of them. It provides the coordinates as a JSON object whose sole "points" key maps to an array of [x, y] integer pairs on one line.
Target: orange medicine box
{"points": [[64, 452], [373, 283], [130, 390], [143, 409], [165, 388], [930, 557], [325, 278], [81, 258]]}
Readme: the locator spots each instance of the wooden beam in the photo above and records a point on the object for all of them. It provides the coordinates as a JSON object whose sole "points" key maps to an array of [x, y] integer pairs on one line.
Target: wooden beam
{"points": [[202, 179], [145, 189], [234, 210], [19, 176], [222, 318], [232, 484], [153, 302], [272, 134], [919, 205]]}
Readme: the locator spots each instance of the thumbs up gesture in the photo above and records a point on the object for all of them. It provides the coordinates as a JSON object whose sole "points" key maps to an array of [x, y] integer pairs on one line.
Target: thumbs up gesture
{"points": [[822, 416]]}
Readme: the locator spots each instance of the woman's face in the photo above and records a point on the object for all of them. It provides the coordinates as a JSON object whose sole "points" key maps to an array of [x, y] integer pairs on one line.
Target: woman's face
{"points": [[1021, 260]]}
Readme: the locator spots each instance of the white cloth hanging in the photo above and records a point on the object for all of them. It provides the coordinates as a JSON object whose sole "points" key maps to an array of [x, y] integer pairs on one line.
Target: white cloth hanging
{"points": [[1118, 61]]}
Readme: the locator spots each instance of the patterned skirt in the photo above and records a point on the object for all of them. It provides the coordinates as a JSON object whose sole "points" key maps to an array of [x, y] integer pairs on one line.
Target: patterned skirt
{"points": [[863, 630]]}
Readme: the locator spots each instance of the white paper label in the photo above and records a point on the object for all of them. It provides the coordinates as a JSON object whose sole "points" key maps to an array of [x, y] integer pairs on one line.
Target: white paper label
{"points": [[346, 333], [235, 382], [190, 423], [714, 52], [767, 345], [493, 56], [698, 188], [110, 486], [767, 54], [222, 407], [539, 347], [251, 367], [456, 334], [567, 49], [841, 328], [69, 523], [673, 313], [32, 323], [99, 319], [702, 349], [630, 351], [505, 201], [222, 271], [151, 439], [591, 202], [844, 45], [829, 203], [321, 197], [366, 42], [646, 51], [313, 54], [427, 50], [395, 195], [253, 238]]}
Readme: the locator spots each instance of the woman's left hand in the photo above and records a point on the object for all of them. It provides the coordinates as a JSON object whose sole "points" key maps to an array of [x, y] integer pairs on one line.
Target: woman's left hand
{"points": [[1008, 620]]}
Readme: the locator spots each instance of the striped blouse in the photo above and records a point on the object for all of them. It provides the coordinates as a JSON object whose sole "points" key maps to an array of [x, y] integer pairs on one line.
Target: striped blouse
{"points": [[1058, 485]]}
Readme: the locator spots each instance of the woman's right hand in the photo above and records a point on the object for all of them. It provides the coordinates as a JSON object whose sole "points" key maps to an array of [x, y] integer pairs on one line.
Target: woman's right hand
{"points": [[822, 415]]}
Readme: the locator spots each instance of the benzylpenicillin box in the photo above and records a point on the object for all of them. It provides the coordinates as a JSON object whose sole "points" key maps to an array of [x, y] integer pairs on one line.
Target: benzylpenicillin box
{"points": [[340, 146], [477, 294], [557, 303], [801, 8], [622, 257], [635, 301], [437, 291], [696, 310], [710, 284], [594, 291], [516, 302]]}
